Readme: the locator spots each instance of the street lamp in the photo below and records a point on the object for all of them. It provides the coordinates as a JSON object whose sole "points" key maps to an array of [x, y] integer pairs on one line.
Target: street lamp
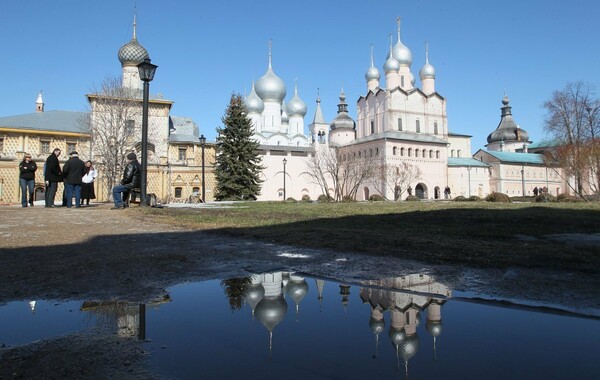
{"points": [[284, 162], [202, 144], [146, 71]]}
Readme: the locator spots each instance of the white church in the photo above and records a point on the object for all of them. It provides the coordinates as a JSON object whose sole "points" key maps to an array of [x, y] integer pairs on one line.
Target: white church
{"points": [[397, 122]]}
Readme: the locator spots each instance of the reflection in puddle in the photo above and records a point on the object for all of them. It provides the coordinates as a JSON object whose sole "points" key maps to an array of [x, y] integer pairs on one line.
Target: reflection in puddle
{"points": [[284, 325]]}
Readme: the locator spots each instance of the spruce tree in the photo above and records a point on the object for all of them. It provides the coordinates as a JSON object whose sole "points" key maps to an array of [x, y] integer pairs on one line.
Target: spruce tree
{"points": [[238, 164]]}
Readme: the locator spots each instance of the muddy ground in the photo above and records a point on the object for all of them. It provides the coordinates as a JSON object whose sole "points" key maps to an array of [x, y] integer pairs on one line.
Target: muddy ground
{"points": [[95, 253]]}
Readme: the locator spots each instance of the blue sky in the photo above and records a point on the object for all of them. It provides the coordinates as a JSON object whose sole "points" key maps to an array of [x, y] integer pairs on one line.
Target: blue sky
{"points": [[208, 50]]}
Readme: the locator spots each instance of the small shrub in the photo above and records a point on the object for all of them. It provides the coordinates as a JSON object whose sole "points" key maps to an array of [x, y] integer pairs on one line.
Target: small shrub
{"points": [[291, 200], [564, 197], [413, 198], [347, 198], [376, 198], [545, 198], [460, 198], [305, 198], [324, 198], [474, 198], [498, 197]]}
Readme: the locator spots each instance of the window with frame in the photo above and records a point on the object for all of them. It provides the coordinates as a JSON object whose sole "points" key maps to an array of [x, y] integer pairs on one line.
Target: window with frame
{"points": [[452, 153], [416, 153], [195, 190], [45, 146], [394, 151], [458, 153], [372, 127], [431, 154], [178, 191], [129, 125], [418, 126], [400, 124], [437, 154], [402, 152], [71, 147], [182, 154], [402, 81], [435, 127], [409, 152]]}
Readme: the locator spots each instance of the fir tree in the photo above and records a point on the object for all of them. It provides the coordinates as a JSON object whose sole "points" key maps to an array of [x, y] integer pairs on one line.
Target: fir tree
{"points": [[238, 163]]}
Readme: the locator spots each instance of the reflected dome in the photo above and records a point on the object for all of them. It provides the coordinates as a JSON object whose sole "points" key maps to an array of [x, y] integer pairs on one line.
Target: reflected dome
{"points": [[397, 336], [297, 288], [270, 311], [254, 294], [409, 347], [434, 328], [376, 325]]}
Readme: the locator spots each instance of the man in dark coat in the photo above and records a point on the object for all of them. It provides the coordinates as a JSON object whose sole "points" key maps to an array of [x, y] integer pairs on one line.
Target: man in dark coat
{"points": [[131, 180], [73, 171], [52, 176]]}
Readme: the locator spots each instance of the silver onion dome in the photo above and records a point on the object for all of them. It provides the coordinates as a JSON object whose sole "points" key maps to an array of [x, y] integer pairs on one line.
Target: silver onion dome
{"points": [[391, 65], [297, 288], [270, 87], [402, 54], [372, 74], [270, 311], [376, 325], [253, 102], [434, 328], [507, 130], [409, 347], [427, 71], [397, 336], [296, 107], [253, 294]]}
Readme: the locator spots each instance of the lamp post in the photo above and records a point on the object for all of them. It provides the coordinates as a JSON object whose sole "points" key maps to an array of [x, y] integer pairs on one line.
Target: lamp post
{"points": [[202, 144], [146, 71], [284, 162]]}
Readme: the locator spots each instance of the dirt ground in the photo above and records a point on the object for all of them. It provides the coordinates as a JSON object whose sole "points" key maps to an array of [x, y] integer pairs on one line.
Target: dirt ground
{"points": [[94, 253]]}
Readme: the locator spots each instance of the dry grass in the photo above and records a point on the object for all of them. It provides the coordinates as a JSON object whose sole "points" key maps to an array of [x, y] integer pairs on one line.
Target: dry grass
{"points": [[474, 233]]}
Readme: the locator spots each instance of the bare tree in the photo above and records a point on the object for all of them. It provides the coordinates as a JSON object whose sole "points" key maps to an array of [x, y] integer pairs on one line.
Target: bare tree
{"points": [[340, 169], [395, 178], [114, 112], [573, 120]]}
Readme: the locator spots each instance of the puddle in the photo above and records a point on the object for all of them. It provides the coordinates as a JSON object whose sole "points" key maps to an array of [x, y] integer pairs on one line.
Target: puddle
{"points": [[281, 325]]}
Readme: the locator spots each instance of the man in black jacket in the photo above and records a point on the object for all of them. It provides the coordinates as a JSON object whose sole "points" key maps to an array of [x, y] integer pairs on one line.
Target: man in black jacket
{"points": [[52, 176], [73, 171], [131, 180]]}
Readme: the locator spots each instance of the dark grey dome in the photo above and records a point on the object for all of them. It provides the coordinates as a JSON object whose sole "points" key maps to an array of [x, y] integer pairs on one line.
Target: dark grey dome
{"points": [[508, 130], [270, 311], [132, 53], [342, 120], [434, 328], [377, 325]]}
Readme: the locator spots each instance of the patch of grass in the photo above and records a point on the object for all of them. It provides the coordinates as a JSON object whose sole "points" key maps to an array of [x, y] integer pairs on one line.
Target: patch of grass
{"points": [[479, 234]]}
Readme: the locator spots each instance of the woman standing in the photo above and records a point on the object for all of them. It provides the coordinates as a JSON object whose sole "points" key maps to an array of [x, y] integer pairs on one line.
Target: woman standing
{"points": [[27, 170], [87, 185]]}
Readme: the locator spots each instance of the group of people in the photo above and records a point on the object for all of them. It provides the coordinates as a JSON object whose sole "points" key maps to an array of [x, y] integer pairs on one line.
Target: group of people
{"points": [[78, 177], [539, 191]]}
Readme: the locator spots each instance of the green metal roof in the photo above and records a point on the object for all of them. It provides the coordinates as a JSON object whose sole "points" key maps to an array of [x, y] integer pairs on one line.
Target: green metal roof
{"points": [[62, 121], [520, 158], [544, 144], [454, 161]]}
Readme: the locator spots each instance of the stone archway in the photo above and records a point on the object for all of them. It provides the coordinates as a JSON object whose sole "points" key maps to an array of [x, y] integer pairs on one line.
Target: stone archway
{"points": [[366, 193], [421, 191], [436, 192]]}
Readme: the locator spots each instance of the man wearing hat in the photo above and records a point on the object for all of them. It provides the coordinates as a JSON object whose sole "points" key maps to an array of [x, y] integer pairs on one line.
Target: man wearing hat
{"points": [[131, 179], [73, 172]]}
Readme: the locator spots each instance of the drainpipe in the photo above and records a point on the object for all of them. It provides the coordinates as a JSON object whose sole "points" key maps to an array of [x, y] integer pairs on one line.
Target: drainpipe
{"points": [[469, 170], [523, 179]]}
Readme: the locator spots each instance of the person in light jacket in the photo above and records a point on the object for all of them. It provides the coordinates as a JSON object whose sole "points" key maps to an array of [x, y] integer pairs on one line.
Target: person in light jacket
{"points": [[87, 183]]}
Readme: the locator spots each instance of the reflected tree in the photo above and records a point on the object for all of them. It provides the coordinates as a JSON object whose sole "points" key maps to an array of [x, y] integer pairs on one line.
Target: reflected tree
{"points": [[234, 289]]}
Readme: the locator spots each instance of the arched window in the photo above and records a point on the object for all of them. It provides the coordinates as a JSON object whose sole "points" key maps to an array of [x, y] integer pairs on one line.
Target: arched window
{"points": [[372, 127], [394, 150], [452, 153], [402, 152], [416, 153], [458, 153], [431, 154], [418, 126], [437, 154], [435, 128], [409, 152], [377, 151], [402, 81], [371, 152], [399, 123]]}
